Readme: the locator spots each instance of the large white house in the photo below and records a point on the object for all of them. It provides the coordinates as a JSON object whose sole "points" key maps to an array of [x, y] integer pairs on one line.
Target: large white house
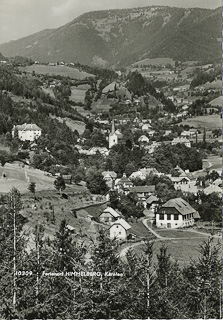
{"points": [[181, 140], [119, 230], [176, 213], [27, 132]]}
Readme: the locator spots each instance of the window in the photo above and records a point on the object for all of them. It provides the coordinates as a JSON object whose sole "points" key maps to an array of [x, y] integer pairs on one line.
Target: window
{"points": [[176, 217], [161, 216], [169, 217]]}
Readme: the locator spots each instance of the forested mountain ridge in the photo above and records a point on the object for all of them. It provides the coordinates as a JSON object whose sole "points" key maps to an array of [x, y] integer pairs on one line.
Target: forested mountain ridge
{"points": [[122, 37]]}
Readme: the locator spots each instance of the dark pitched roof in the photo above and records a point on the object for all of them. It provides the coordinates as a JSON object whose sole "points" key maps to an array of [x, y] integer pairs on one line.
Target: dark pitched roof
{"points": [[140, 189], [180, 205], [152, 199]]}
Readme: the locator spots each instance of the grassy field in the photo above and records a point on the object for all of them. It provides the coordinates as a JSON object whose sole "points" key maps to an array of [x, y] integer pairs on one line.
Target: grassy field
{"points": [[209, 122], [78, 93], [19, 177], [215, 161], [102, 105], [170, 233], [155, 61], [82, 111], [72, 124], [181, 251], [63, 71]]}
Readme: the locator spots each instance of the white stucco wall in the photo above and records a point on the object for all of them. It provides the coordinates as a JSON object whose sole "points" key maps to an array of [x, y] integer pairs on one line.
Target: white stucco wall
{"points": [[118, 232]]}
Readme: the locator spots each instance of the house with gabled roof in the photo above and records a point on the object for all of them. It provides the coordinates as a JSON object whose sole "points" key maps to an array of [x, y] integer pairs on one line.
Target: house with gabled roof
{"points": [[123, 185], [119, 230], [27, 132], [213, 188], [181, 140], [152, 203], [109, 177], [108, 215], [176, 213], [143, 192]]}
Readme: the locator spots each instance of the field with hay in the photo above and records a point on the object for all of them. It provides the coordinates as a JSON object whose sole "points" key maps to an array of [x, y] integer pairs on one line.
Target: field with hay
{"points": [[72, 124], [63, 71], [78, 93], [209, 122]]}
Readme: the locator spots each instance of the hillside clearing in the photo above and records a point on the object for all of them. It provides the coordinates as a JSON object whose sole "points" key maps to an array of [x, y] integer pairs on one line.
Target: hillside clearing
{"points": [[63, 71], [209, 122]]}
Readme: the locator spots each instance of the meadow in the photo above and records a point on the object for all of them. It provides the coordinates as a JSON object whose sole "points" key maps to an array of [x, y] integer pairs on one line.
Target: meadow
{"points": [[78, 93], [209, 122], [63, 71]]}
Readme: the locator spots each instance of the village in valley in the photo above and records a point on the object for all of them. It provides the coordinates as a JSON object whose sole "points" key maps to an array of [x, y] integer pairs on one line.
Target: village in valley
{"points": [[117, 158], [149, 157]]}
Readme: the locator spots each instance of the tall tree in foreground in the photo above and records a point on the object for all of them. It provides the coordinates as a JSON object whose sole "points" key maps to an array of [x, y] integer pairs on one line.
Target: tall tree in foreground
{"points": [[204, 288]]}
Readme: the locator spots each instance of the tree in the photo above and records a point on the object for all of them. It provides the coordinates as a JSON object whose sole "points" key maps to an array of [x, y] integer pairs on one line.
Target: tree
{"points": [[59, 184], [203, 282], [95, 182], [32, 187]]}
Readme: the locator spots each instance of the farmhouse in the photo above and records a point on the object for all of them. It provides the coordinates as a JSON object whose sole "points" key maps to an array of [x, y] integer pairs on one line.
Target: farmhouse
{"points": [[108, 216], [67, 178], [119, 230], [143, 139], [123, 185], [152, 203], [213, 188], [179, 181], [102, 150], [143, 192], [181, 140], [176, 213], [27, 132], [109, 177]]}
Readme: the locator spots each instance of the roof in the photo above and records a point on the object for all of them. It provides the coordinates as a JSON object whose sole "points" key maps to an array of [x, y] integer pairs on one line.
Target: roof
{"points": [[213, 188], [137, 174], [27, 127], [111, 211], [112, 174], [218, 182], [147, 171], [178, 179], [180, 140], [180, 205], [69, 227], [123, 223], [152, 199], [124, 180], [140, 189], [67, 176], [110, 87], [143, 138]]}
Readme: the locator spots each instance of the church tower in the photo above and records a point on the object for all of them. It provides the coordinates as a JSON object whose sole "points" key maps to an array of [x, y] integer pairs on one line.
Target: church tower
{"points": [[113, 137]]}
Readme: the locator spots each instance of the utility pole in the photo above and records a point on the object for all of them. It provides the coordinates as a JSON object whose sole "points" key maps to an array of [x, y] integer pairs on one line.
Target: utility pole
{"points": [[38, 258], [14, 205], [14, 254]]}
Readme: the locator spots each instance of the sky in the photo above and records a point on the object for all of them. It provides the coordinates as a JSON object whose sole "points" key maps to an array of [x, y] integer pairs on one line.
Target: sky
{"points": [[20, 18]]}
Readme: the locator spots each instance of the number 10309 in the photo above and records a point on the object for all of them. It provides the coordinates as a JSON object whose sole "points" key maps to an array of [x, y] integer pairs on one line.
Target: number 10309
{"points": [[23, 273]]}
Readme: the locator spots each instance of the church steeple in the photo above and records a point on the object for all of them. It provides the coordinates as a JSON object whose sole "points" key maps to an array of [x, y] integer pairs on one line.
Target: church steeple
{"points": [[113, 127], [113, 137]]}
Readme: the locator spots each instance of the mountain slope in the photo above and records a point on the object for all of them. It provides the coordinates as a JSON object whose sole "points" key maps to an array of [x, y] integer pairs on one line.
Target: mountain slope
{"points": [[127, 35]]}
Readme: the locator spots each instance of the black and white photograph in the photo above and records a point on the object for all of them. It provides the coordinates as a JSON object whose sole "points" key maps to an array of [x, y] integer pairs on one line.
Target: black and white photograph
{"points": [[110, 159]]}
